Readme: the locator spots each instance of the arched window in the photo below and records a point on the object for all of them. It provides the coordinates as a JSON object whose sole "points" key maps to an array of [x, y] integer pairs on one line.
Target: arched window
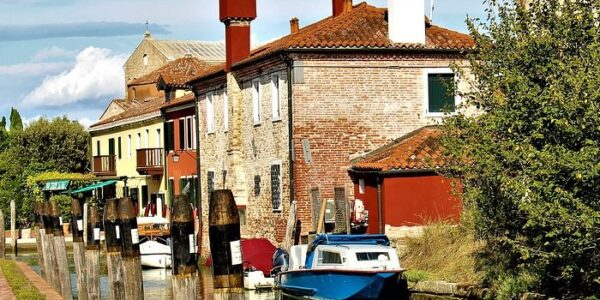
{"points": [[145, 59]]}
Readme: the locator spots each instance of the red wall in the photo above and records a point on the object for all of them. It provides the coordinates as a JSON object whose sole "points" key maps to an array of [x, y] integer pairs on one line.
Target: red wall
{"points": [[411, 200], [186, 166]]}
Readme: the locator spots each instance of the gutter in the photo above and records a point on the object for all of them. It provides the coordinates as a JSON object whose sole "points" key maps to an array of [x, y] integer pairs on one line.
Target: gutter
{"points": [[289, 62], [393, 172]]}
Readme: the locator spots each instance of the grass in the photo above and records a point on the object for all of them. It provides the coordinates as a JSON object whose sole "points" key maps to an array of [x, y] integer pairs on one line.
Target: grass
{"points": [[444, 252], [19, 284]]}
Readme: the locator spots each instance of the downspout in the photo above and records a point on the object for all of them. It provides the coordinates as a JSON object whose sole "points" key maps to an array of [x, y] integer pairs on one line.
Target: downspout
{"points": [[289, 62], [379, 206], [199, 175], [165, 155]]}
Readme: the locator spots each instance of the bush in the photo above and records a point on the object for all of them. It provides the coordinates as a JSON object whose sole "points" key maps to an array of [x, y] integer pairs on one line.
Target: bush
{"points": [[64, 204]]}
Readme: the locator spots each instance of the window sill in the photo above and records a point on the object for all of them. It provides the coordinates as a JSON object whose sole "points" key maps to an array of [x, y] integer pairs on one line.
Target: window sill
{"points": [[439, 115], [256, 124], [277, 210], [275, 120]]}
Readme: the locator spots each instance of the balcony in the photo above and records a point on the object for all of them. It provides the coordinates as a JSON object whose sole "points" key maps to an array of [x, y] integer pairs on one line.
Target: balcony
{"points": [[150, 161], [104, 165]]}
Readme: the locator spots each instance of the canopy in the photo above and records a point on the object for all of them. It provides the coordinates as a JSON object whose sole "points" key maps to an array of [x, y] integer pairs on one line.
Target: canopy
{"points": [[56, 185], [94, 186]]}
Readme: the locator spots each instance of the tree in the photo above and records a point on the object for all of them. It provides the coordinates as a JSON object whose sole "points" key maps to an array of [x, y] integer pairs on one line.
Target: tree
{"points": [[3, 124], [16, 124], [530, 165], [4, 137]]}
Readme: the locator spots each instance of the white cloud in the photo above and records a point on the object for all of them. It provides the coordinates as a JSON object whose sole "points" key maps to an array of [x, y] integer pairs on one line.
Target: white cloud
{"points": [[33, 68], [52, 52], [28, 121], [97, 74], [86, 122]]}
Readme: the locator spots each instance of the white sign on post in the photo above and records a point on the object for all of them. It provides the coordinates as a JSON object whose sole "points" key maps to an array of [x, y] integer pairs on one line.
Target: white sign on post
{"points": [[80, 225], [236, 252], [118, 231], [97, 234], [135, 238], [192, 240]]}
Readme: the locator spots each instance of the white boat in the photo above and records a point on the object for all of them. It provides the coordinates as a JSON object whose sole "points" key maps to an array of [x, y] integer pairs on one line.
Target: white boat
{"points": [[154, 254], [256, 280]]}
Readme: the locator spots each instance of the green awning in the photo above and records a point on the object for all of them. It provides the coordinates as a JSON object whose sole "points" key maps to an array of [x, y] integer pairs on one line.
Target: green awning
{"points": [[56, 185], [94, 186]]}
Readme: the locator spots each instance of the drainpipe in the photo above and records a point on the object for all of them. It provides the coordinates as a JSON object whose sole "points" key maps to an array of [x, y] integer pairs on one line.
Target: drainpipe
{"points": [[199, 175], [379, 206], [289, 62]]}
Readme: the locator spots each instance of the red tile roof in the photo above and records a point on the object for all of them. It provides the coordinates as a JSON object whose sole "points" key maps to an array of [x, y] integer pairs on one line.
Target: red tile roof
{"points": [[364, 27], [189, 98], [140, 108], [175, 73], [419, 149]]}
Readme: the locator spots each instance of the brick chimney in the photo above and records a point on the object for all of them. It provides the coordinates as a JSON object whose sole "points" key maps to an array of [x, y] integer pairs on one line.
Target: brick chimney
{"points": [[294, 25], [341, 6], [406, 22], [237, 15]]}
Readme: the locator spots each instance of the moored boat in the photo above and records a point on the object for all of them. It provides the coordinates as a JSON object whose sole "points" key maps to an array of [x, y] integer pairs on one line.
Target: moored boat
{"points": [[342, 267], [154, 254]]}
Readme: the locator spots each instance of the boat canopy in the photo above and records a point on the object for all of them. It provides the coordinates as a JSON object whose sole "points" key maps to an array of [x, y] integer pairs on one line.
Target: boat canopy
{"points": [[94, 186], [344, 239]]}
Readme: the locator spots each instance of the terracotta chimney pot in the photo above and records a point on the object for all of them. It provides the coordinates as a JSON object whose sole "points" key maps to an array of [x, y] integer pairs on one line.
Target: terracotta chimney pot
{"points": [[341, 6], [294, 25]]}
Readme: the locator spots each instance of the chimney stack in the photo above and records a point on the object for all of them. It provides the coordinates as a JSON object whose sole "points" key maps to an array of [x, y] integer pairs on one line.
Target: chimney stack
{"points": [[237, 15], [294, 25], [341, 6], [406, 21]]}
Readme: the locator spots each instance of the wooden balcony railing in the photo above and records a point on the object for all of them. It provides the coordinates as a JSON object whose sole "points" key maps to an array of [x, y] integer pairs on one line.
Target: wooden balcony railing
{"points": [[150, 161], [104, 165]]}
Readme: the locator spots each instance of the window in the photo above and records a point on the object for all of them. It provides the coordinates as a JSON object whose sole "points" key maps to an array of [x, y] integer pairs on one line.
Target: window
{"points": [[440, 95], [147, 138], [210, 182], [157, 137], [145, 59], [139, 141], [275, 103], [361, 186], [276, 187], [119, 147], [256, 185], [225, 112], [169, 136], [98, 148], [328, 257], [189, 133], [129, 145], [210, 113], [182, 183], [111, 146], [256, 101], [369, 256], [181, 133]]}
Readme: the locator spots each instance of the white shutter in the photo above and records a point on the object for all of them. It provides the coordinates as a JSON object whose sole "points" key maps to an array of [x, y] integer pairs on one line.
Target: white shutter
{"points": [[275, 104]]}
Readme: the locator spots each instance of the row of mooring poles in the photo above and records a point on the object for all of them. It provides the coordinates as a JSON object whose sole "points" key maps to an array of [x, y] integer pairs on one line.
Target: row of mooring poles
{"points": [[77, 225]]}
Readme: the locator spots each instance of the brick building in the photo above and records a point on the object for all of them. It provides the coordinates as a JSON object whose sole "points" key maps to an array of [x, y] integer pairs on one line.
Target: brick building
{"points": [[283, 121]]}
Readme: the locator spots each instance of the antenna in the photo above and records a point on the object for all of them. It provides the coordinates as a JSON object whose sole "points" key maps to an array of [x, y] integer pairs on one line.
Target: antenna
{"points": [[432, 9]]}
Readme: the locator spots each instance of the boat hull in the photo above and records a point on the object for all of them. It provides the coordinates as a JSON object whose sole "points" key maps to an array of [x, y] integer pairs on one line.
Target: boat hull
{"points": [[340, 284], [162, 261]]}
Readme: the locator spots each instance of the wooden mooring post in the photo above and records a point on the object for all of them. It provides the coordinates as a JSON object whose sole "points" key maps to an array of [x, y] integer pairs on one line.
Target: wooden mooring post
{"points": [[184, 250], [48, 248], [3, 241], [130, 251], [13, 227], [225, 243], [37, 214], [60, 253], [112, 237], [77, 226], [92, 254]]}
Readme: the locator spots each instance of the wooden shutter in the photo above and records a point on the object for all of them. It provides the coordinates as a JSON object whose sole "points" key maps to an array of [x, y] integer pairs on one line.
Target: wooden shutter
{"points": [[441, 92]]}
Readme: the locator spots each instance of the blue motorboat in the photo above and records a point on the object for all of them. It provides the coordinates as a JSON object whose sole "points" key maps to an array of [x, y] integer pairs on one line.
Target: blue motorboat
{"points": [[342, 267]]}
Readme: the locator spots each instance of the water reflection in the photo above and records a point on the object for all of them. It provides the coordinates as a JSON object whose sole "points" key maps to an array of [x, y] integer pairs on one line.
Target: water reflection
{"points": [[157, 283]]}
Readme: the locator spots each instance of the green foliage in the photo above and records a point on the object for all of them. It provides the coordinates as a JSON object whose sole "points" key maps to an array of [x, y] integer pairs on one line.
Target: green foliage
{"points": [[16, 124], [415, 275], [530, 165], [3, 124], [59, 145], [64, 203], [19, 284], [513, 286]]}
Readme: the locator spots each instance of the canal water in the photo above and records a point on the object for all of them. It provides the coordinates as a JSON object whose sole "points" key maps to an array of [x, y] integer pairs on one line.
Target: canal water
{"points": [[157, 282]]}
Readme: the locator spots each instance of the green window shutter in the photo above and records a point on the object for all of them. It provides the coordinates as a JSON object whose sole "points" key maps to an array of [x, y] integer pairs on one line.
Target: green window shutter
{"points": [[169, 136], [181, 184], [119, 147], [171, 190], [441, 92]]}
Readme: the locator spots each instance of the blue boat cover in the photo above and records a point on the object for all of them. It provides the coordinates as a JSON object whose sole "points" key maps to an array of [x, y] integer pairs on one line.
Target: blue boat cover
{"points": [[344, 239]]}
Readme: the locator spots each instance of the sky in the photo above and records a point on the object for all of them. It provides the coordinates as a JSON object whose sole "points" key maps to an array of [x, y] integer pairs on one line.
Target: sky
{"points": [[65, 57]]}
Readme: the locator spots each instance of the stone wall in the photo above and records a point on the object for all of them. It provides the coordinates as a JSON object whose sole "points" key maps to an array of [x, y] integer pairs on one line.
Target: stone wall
{"points": [[135, 67]]}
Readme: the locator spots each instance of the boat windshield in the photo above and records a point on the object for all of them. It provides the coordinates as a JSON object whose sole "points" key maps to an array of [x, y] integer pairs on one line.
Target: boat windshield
{"points": [[368, 256]]}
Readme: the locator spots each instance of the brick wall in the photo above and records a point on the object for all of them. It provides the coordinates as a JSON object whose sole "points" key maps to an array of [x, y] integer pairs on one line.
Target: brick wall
{"points": [[348, 106]]}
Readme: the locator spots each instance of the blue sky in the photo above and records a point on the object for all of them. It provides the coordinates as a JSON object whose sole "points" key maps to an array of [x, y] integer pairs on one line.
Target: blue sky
{"points": [[65, 57]]}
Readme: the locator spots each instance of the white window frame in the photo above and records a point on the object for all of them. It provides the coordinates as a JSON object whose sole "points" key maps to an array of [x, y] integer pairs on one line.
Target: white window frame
{"points": [[210, 113], [225, 111], [256, 101], [189, 142], [158, 138], [147, 138], [129, 144], [457, 98], [146, 58], [275, 98]]}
